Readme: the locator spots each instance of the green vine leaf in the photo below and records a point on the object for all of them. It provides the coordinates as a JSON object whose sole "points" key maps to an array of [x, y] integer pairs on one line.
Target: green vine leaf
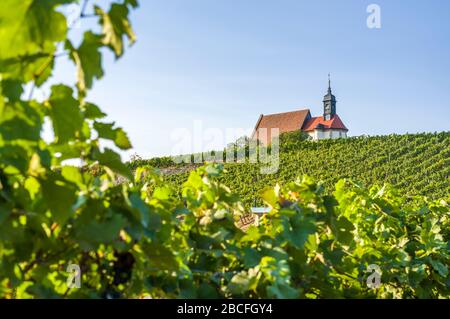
{"points": [[88, 60], [116, 26], [65, 113]]}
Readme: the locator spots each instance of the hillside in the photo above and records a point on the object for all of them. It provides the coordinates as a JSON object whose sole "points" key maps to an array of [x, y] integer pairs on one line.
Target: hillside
{"points": [[416, 164]]}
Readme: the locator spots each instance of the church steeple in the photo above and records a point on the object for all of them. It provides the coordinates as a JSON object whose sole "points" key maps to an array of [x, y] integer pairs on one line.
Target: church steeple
{"points": [[329, 103], [329, 83]]}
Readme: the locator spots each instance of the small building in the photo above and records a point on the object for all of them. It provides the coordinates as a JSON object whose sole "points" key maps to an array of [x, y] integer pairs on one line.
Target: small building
{"points": [[329, 125]]}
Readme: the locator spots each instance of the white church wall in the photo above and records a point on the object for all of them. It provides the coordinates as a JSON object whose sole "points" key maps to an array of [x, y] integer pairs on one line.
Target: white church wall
{"points": [[319, 135], [324, 134]]}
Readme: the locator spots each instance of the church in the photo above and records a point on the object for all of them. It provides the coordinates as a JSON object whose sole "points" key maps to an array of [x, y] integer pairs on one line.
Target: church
{"points": [[329, 125]]}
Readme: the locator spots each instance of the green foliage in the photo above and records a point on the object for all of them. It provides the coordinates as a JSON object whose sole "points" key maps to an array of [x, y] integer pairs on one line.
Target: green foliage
{"points": [[29, 31], [138, 238], [416, 164], [88, 60], [52, 214], [65, 114], [115, 26]]}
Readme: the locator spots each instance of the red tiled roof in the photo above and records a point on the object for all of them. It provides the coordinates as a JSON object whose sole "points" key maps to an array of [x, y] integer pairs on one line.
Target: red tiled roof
{"points": [[284, 122], [334, 123]]}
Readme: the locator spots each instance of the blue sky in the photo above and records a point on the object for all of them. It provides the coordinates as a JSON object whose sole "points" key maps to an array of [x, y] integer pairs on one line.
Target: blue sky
{"points": [[224, 62]]}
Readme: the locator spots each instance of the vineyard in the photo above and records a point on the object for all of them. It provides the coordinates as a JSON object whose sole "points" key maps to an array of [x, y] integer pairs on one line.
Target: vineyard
{"points": [[110, 229], [416, 164]]}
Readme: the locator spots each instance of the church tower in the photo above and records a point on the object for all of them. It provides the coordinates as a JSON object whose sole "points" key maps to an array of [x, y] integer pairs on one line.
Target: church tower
{"points": [[329, 103], [319, 127]]}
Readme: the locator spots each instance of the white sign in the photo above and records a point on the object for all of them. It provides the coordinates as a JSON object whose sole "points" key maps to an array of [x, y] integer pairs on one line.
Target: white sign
{"points": [[261, 210]]}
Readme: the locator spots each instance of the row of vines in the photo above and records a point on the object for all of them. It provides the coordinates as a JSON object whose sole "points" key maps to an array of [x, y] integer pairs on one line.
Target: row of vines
{"points": [[416, 164]]}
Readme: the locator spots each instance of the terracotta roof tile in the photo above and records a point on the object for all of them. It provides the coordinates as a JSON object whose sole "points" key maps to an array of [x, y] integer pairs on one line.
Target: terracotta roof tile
{"points": [[334, 123], [284, 122]]}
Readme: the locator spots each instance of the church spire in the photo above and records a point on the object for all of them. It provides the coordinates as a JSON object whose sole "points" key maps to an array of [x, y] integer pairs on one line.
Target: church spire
{"points": [[329, 102], [329, 83]]}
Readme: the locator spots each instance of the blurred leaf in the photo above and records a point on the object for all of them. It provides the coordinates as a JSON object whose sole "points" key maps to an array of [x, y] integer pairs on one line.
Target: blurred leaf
{"points": [[112, 160], [59, 196], [103, 232], [20, 121], [270, 196], [115, 26], [72, 174], [117, 135], [93, 112], [88, 60], [65, 113], [440, 268], [29, 30], [344, 230], [159, 257]]}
